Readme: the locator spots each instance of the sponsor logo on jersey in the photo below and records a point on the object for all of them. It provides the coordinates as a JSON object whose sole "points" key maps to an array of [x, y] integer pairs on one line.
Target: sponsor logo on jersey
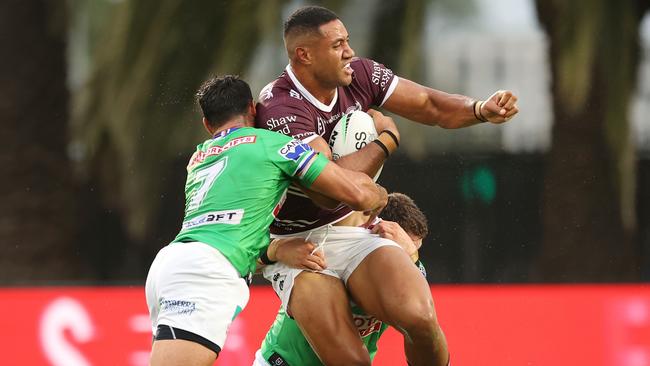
{"points": [[334, 118], [231, 217], [294, 150], [353, 108], [380, 75], [366, 324], [273, 123], [200, 156], [295, 94], [281, 124]]}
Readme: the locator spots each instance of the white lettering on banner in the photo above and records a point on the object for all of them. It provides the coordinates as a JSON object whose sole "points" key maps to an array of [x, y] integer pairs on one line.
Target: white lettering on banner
{"points": [[140, 323], [614, 318], [62, 317], [237, 350], [628, 323], [140, 358], [231, 217]]}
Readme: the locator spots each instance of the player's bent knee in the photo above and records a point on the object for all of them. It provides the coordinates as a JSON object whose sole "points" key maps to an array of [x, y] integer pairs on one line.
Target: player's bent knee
{"points": [[419, 320]]}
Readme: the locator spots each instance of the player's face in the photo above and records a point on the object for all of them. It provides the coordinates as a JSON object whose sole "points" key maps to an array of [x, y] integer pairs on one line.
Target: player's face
{"points": [[333, 55]]}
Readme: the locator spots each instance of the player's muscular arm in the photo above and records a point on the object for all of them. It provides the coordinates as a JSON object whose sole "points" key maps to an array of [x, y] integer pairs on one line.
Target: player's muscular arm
{"points": [[434, 107], [319, 199], [355, 189], [368, 160]]}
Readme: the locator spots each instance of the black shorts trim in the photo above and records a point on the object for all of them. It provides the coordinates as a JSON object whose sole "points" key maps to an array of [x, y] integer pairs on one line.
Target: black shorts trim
{"points": [[167, 332]]}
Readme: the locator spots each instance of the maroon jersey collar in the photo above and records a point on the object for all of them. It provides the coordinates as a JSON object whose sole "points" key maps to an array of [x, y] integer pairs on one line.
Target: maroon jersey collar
{"points": [[305, 93]]}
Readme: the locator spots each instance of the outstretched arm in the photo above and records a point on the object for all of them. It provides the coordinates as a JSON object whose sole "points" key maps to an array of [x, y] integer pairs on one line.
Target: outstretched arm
{"points": [[434, 107]]}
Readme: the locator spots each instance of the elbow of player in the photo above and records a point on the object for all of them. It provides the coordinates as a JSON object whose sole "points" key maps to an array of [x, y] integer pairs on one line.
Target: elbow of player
{"points": [[359, 199], [367, 199]]}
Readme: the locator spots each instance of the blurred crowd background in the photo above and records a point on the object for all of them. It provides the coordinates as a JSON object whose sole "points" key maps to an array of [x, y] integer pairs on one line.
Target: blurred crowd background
{"points": [[98, 122]]}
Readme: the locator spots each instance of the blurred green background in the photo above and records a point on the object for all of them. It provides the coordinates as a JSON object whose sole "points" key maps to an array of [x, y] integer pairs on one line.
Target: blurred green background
{"points": [[98, 121]]}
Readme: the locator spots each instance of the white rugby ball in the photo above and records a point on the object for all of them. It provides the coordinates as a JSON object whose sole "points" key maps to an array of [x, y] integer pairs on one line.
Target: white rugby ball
{"points": [[352, 132]]}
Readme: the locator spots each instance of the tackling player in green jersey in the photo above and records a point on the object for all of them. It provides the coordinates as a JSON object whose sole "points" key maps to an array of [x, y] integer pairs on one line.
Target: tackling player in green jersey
{"points": [[284, 345], [236, 183]]}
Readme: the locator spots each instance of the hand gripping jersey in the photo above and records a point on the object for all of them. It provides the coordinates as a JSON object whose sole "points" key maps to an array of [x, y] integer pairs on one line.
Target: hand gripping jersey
{"points": [[286, 106], [285, 345], [235, 186]]}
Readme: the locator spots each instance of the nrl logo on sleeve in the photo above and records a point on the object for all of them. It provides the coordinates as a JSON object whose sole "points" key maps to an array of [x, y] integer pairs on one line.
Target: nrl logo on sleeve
{"points": [[294, 150]]}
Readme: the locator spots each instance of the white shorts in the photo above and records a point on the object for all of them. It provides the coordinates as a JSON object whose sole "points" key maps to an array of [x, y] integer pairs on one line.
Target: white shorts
{"points": [[259, 359], [194, 288], [344, 247]]}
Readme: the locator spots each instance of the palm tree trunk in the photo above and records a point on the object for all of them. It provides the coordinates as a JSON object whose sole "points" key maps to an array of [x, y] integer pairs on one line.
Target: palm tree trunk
{"points": [[589, 213], [37, 220]]}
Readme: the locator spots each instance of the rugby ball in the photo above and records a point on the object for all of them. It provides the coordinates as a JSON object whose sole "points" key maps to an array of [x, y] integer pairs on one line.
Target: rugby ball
{"points": [[352, 132]]}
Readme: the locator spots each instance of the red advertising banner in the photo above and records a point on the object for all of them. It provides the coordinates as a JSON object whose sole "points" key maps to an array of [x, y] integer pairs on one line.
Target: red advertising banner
{"points": [[485, 325]]}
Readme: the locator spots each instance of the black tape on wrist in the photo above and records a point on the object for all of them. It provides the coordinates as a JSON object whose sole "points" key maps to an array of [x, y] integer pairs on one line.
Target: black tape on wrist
{"points": [[383, 147], [478, 116], [264, 258], [391, 134]]}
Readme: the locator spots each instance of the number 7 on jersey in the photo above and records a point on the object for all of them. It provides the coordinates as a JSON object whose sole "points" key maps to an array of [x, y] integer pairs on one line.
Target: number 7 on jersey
{"points": [[204, 178]]}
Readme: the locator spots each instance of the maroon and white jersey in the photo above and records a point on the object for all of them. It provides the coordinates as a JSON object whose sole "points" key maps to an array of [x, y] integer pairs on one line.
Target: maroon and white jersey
{"points": [[285, 106]]}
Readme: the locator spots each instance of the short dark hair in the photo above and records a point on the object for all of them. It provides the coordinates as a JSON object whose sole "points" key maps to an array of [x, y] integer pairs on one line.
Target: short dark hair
{"points": [[308, 19], [223, 97], [403, 210]]}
